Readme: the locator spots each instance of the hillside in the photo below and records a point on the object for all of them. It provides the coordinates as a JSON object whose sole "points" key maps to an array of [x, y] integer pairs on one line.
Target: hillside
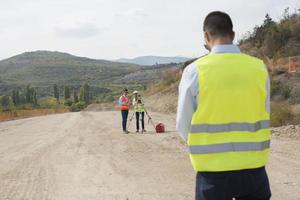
{"points": [[153, 60], [276, 41], [278, 44], [43, 69]]}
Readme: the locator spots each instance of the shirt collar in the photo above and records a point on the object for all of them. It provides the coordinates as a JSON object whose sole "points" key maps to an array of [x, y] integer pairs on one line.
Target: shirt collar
{"points": [[225, 48]]}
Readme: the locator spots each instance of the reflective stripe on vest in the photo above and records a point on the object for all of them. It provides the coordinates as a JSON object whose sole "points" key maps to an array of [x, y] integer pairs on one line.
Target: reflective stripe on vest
{"points": [[229, 147], [216, 128], [230, 128]]}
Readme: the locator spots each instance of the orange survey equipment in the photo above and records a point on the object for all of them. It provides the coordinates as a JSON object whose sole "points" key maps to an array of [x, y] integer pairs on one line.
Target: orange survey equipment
{"points": [[160, 128]]}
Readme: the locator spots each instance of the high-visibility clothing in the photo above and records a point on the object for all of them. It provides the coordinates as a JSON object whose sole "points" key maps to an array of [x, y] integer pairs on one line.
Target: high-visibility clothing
{"points": [[139, 107], [230, 128], [135, 101], [124, 102]]}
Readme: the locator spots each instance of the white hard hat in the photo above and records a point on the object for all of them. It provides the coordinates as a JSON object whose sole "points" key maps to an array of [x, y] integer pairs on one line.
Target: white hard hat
{"points": [[135, 92]]}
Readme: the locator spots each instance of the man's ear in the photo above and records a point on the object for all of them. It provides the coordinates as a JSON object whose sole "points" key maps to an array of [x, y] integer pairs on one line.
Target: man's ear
{"points": [[207, 37], [233, 35]]}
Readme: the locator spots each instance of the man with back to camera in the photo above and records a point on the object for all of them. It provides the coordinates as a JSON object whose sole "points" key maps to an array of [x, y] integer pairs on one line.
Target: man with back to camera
{"points": [[223, 113]]}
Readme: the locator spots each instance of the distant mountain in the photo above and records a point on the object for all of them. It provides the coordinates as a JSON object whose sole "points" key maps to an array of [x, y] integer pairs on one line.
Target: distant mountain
{"points": [[43, 69], [153, 60]]}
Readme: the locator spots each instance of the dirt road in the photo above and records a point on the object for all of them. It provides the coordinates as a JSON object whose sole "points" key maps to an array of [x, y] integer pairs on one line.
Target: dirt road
{"points": [[84, 156]]}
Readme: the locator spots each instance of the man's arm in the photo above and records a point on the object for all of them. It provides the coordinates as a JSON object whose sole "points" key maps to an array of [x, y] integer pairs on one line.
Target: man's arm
{"points": [[120, 100], [187, 99], [133, 101], [268, 89]]}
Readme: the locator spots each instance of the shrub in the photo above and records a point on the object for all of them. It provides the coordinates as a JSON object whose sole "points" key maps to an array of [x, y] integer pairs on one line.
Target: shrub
{"points": [[281, 113], [68, 102], [76, 107], [5, 103], [278, 72], [280, 90], [296, 113], [50, 102], [81, 105], [295, 95]]}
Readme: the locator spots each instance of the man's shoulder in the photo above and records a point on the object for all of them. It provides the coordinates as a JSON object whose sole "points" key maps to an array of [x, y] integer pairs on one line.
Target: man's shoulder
{"points": [[202, 60], [190, 70], [193, 66], [191, 63]]}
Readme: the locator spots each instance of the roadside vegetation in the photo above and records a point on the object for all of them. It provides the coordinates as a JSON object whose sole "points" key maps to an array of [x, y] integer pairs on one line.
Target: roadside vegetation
{"points": [[273, 40], [26, 102]]}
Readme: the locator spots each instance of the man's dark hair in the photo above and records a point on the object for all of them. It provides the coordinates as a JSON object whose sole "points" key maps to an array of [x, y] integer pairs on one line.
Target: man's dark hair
{"points": [[218, 23]]}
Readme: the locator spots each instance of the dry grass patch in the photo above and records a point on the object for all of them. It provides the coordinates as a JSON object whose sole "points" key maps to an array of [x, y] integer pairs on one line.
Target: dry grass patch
{"points": [[281, 113], [10, 115]]}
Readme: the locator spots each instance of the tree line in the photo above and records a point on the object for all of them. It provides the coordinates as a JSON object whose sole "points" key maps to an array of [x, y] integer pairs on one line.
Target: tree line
{"points": [[18, 97], [76, 102], [84, 93], [28, 96]]}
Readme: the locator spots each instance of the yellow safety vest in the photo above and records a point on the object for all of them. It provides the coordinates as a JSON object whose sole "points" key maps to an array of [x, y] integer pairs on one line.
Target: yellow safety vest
{"points": [[230, 128], [139, 107]]}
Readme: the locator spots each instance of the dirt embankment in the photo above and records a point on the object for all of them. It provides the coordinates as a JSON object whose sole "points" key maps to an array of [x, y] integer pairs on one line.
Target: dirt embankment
{"points": [[164, 101]]}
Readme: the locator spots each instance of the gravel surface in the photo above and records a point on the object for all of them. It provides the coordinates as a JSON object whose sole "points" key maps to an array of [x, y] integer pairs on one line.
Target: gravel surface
{"points": [[289, 131], [84, 156]]}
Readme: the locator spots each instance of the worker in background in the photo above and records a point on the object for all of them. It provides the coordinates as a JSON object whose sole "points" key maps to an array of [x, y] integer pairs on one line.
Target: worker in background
{"points": [[139, 110], [223, 113], [124, 107]]}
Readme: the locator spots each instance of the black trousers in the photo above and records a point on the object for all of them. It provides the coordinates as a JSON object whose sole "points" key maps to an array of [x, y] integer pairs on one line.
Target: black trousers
{"points": [[137, 116], [124, 119], [249, 184]]}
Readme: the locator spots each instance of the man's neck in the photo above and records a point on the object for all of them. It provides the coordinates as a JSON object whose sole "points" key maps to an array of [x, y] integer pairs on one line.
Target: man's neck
{"points": [[225, 48], [221, 42]]}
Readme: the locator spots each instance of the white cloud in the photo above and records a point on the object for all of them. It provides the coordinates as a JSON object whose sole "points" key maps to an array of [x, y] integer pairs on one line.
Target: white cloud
{"points": [[111, 29], [79, 30], [136, 12]]}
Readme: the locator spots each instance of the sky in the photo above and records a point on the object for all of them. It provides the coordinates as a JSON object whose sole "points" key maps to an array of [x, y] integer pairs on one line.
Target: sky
{"points": [[112, 29]]}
